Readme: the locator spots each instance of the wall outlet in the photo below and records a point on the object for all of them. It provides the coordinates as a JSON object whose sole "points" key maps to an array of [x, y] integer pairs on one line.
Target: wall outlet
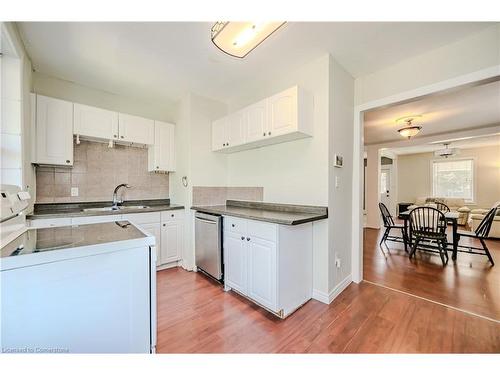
{"points": [[74, 192], [337, 262]]}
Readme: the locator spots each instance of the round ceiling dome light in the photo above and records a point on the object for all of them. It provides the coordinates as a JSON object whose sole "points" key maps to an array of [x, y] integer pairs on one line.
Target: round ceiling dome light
{"points": [[408, 130]]}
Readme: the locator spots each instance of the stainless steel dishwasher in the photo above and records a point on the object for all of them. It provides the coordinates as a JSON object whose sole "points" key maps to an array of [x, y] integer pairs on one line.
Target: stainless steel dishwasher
{"points": [[208, 244]]}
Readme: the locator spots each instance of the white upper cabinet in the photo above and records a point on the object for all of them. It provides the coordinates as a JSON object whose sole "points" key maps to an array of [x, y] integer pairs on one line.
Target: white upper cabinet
{"points": [[219, 134], [257, 121], [283, 112], [161, 156], [53, 131], [283, 117], [236, 128], [95, 122], [135, 129]]}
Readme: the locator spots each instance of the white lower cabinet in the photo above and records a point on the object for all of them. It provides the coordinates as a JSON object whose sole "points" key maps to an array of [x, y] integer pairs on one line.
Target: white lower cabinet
{"points": [[235, 262], [167, 227], [270, 264], [262, 272], [171, 239]]}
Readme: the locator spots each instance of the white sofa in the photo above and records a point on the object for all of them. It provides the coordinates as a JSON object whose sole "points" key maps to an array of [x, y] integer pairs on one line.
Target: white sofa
{"points": [[455, 205], [478, 215]]}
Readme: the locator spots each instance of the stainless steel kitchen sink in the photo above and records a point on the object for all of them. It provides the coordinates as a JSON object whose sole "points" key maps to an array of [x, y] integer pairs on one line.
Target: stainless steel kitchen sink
{"points": [[101, 209]]}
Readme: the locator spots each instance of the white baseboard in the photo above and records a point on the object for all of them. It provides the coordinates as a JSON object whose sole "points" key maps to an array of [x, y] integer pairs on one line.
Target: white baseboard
{"points": [[168, 265], [328, 298]]}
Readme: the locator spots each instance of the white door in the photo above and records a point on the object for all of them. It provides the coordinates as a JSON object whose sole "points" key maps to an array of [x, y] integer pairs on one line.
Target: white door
{"points": [[385, 188], [257, 126], [236, 128], [163, 158], [235, 261], [262, 272], [54, 131], [95, 122], [171, 241], [219, 134], [283, 112], [155, 230], [136, 129]]}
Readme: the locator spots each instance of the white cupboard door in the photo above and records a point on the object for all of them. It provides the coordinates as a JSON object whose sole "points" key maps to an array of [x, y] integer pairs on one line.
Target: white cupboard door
{"points": [[54, 131], [171, 241], [95, 122], [162, 154], [219, 134], [136, 129], [235, 262], [236, 128], [257, 121], [262, 272], [155, 230], [283, 112]]}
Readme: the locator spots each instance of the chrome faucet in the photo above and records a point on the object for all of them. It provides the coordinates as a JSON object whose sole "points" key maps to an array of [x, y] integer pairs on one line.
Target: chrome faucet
{"points": [[117, 201]]}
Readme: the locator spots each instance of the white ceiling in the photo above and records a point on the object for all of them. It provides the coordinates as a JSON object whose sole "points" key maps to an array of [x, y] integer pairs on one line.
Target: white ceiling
{"points": [[468, 108], [167, 59], [482, 141]]}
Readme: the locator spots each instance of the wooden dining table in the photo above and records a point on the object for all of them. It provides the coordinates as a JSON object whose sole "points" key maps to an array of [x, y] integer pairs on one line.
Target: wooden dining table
{"points": [[451, 217]]}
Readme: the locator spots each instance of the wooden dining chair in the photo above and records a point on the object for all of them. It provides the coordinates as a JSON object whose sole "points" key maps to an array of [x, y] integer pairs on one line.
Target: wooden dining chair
{"points": [[388, 225], [442, 207], [481, 233], [426, 223]]}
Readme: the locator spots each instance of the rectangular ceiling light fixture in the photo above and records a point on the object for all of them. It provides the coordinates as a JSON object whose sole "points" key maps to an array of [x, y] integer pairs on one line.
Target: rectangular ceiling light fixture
{"points": [[238, 39]]}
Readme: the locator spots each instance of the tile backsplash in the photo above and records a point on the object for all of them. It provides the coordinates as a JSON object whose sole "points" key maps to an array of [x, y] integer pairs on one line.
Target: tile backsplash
{"points": [[217, 195], [96, 171]]}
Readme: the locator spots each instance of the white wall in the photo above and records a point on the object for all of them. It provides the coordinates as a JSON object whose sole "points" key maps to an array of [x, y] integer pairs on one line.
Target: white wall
{"points": [[476, 52], [414, 175], [292, 172], [74, 92], [341, 109], [195, 159]]}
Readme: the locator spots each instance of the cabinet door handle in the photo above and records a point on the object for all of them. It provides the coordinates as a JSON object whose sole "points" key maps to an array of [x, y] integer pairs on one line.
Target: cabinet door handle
{"points": [[67, 161], [264, 134], [121, 136], [242, 237], [172, 215], [164, 225], [157, 167], [227, 144], [232, 225], [248, 238], [269, 133], [114, 136]]}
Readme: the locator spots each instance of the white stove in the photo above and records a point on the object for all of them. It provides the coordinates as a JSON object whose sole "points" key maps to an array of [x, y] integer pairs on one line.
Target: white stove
{"points": [[75, 289]]}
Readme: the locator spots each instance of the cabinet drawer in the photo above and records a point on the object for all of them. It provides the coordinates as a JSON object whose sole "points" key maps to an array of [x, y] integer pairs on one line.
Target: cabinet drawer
{"points": [[143, 218], [235, 225], [95, 219], [173, 215], [45, 223], [259, 229]]}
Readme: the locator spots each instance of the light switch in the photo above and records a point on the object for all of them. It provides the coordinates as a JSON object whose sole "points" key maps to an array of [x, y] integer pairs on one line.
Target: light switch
{"points": [[337, 182], [74, 192]]}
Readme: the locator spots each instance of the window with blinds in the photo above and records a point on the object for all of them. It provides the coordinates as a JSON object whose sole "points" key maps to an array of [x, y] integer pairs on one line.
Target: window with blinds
{"points": [[453, 179]]}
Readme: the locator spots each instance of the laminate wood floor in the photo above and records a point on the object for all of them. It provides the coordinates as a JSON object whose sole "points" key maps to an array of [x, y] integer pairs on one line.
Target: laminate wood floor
{"points": [[196, 316], [470, 283]]}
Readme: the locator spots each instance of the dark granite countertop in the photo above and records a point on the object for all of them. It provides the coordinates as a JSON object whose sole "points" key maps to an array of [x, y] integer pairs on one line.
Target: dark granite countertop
{"points": [[58, 210], [286, 214], [61, 238]]}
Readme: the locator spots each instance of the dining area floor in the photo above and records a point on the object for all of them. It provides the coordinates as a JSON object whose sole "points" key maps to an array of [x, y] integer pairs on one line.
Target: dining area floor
{"points": [[470, 283]]}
